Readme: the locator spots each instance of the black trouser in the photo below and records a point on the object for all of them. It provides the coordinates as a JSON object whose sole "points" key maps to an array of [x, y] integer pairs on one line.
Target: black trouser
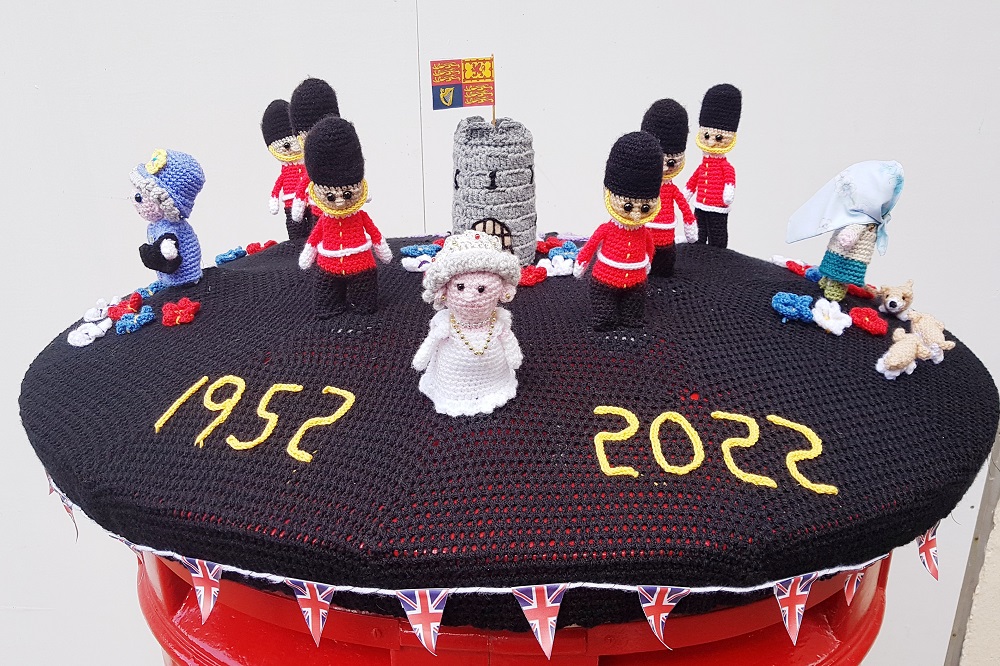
{"points": [[333, 293], [613, 306], [299, 230], [663, 261], [713, 227]]}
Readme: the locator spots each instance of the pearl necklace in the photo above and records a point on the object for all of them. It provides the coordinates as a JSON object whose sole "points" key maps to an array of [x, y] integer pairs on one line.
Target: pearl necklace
{"points": [[461, 335]]}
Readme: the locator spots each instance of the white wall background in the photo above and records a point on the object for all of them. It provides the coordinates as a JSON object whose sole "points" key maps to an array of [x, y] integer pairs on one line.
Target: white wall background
{"points": [[87, 90]]}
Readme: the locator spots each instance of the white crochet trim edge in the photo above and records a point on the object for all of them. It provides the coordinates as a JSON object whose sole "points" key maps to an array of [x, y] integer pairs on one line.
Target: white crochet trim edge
{"points": [[274, 578]]}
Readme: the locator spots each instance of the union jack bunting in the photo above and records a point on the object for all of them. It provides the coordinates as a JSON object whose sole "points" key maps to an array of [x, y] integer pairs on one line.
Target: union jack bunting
{"points": [[314, 600], [852, 584], [927, 549], [424, 609], [132, 546], [205, 581], [657, 602], [67, 505], [792, 594], [540, 604]]}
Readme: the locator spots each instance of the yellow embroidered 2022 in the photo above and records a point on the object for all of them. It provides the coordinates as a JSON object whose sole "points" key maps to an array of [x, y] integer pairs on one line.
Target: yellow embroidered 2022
{"points": [[621, 435], [226, 407]]}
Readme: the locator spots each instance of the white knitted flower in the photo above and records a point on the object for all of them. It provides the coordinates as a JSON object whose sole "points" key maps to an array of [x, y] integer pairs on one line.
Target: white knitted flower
{"points": [[829, 317]]}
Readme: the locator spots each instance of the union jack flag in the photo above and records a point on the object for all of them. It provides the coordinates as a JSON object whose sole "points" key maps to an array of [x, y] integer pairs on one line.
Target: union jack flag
{"points": [[927, 549], [852, 584], [657, 602], [424, 609], [792, 594], [314, 600], [205, 581], [540, 604]]}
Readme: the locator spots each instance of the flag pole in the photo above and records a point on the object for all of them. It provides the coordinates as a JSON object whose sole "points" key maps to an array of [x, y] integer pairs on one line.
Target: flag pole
{"points": [[493, 67]]}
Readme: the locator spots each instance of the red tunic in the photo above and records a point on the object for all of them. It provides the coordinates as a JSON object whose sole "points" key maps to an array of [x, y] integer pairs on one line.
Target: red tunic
{"points": [[288, 182], [662, 226], [709, 182], [622, 255], [344, 243]]}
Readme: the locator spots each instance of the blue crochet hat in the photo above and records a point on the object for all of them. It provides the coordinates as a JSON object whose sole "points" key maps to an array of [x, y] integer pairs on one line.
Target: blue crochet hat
{"points": [[176, 172]]}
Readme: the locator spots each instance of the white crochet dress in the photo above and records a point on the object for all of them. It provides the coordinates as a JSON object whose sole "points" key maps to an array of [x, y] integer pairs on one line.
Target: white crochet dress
{"points": [[458, 381]]}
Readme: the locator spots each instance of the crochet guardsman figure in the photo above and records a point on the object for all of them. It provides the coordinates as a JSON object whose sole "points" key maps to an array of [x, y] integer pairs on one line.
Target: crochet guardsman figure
{"points": [[344, 237], [166, 186], [668, 122], [311, 101], [622, 248], [713, 183], [283, 143]]}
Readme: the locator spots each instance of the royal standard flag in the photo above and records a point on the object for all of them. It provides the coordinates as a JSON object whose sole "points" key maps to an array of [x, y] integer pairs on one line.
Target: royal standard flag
{"points": [[465, 82]]}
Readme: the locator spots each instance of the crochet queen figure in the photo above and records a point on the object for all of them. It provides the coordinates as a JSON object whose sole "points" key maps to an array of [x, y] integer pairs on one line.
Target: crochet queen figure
{"points": [[668, 122], [283, 143], [470, 354], [623, 246], [344, 237], [713, 184], [855, 205], [166, 186]]}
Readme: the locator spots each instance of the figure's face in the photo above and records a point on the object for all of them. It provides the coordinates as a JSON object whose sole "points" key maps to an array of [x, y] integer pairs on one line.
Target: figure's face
{"points": [[672, 165], [147, 206], [287, 149], [339, 197], [633, 212], [473, 296], [715, 141]]}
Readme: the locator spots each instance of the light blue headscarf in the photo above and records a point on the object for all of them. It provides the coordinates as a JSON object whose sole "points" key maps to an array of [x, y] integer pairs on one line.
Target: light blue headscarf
{"points": [[862, 193]]}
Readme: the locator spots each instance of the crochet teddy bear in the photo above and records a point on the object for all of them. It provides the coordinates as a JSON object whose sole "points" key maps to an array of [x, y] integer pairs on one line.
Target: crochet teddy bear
{"points": [[344, 237], [668, 122], [166, 187], [470, 354], [930, 330], [283, 143], [713, 184], [622, 248], [896, 300], [312, 100], [902, 355]]}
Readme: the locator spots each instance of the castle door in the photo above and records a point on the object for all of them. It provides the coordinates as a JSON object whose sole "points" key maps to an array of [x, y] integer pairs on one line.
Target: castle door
{"points": [[495, 228]]}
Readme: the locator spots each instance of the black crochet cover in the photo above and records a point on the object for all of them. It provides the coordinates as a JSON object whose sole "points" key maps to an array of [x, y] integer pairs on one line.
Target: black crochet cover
{"points": [[397, 496]]}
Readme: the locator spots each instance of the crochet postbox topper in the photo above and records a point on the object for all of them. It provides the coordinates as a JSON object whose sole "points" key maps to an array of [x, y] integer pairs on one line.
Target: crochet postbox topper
{"points": [[713, 184], [312, 100], [344, 238], [166, 187], [667, 120], [283, 143], [622, 248]]}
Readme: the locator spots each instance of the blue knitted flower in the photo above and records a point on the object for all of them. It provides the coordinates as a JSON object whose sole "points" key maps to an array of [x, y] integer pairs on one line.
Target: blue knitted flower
{"points": [[812, 273], [430, 249], [568, 250], [153, 288], [230, 255], [133, 321], [792, 306], [176, 172]]}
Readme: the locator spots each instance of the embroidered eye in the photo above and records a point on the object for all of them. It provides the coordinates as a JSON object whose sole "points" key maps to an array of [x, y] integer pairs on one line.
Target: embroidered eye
{"points": [[286, 145], [347, 195], [627, 206], [138, 198], [718, 137], [331, 196], [707, 136], [644, 208], [460, 286], [671, 163], [480, 289]]}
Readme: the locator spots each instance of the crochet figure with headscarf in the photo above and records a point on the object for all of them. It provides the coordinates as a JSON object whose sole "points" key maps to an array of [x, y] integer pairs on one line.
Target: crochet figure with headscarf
{"points": [[855, 206], [165, 187], [470, 354]]}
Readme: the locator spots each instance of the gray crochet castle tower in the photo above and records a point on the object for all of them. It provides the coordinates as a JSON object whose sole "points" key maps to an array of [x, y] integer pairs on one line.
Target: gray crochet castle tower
{"points": [[494, 181]]}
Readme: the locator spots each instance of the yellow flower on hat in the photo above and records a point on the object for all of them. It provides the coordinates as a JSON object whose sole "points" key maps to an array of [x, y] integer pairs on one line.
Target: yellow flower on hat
{"points": [[157, 161]]}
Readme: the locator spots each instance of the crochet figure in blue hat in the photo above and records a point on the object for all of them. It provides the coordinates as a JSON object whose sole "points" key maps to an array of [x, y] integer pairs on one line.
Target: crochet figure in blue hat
{"points": [[166, 186]]}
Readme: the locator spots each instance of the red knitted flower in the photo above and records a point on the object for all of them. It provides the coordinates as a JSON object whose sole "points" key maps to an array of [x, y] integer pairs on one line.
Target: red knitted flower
{"points": [[129, 305], [860, 292], [867, 319], [532, 275], [439, 242], [795, 267], [254, 248], [181, 312]]}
